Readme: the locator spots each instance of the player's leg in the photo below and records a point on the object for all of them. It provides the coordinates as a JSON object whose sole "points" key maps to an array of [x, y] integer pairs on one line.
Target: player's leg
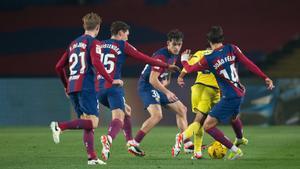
{"points": [[58, 127], [181, 119], [88, 137], [180, 109], [198, 140], [116, 101], [210, 127], [133, 146], [89, 105], [196, 92], [237, 126], [151, 100], [196, 97], [155, 112], [207, 98], [117, 105], [223, 112], [88, 140], [114, 128], [85, 102], [127, 127], [193, 127], [117, 123]]}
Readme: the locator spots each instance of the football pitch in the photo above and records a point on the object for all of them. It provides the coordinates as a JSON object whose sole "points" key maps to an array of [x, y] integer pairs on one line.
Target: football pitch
{"points": [[33, 148]]}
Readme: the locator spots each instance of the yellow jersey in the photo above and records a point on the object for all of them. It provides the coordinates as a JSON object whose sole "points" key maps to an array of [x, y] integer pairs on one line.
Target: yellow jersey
{"points": [[204, 77]]}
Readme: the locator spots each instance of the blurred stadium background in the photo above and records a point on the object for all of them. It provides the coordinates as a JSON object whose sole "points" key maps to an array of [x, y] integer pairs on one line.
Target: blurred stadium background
{"points": [[35, 33]]}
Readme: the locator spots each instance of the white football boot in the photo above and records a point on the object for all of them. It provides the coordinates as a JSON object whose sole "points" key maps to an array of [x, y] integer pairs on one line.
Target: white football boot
{"points": [[55, 131]]}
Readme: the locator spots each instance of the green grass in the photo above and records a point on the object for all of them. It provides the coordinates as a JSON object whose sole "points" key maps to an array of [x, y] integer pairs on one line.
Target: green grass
{"points": [[33, 148]]}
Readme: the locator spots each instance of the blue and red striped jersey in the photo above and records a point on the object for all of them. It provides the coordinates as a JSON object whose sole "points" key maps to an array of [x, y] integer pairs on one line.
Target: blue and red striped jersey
{"points": [[81, 58], [222, 62], [113, 55], [165, 56]]}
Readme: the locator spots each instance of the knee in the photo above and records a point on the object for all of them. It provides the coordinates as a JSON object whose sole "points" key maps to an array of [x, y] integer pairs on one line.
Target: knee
{"points": [[95, 124], [118, 114], [200, 118], [156, 117], [127, 110], [206, 126], [182, 111]]}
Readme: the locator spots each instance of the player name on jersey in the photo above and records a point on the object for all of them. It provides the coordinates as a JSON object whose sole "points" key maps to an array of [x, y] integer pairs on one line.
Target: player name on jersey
{"points": [[113, 47], [77, 45], [220, 62]]}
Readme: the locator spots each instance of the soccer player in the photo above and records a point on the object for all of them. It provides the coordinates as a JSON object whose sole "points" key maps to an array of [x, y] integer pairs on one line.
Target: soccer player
{"points": [[81, 58], [205, 93], [152, 88], [222, 62], [114, 52]]}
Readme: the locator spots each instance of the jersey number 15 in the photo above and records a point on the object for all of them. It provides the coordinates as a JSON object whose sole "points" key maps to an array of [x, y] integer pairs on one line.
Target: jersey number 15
{"points": [[106, 60]]}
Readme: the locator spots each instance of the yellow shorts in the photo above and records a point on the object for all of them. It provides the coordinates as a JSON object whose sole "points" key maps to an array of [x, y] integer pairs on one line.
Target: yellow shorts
{"points": [[204, 98]]}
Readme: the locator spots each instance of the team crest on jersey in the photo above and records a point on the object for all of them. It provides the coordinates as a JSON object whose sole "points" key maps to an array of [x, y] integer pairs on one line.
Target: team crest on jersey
{"points": [[98, 49]]}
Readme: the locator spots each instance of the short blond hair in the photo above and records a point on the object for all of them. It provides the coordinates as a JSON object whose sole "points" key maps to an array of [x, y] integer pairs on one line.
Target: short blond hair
{"points": [[91, 20]]}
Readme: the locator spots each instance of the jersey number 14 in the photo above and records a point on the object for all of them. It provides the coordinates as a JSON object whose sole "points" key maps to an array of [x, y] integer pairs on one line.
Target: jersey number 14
{"points": [[234, 76]]}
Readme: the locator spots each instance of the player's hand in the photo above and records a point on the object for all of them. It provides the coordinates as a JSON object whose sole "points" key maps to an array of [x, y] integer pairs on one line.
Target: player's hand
{"points": [[269, 83], [171, 97], [173, 68], [185, 56], [180, 81], [118, 82]]}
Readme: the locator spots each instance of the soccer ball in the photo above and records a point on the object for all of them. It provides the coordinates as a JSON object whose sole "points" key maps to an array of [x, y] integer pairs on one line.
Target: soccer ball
{"points": [[216, 150]]}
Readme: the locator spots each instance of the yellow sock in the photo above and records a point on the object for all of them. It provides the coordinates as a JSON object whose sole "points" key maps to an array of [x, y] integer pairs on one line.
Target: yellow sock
{"points": [[192, 128], [198, 138]]}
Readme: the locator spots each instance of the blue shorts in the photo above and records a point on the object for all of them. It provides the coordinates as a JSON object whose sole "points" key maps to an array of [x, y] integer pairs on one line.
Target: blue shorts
{"points": [[84, 102], [152, 96], [112, 98], [226, 109]]}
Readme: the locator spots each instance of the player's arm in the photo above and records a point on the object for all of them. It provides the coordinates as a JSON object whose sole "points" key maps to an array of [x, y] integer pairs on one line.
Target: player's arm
{"points": [[95, 57], [194, 59], [154, 81], [201, 65], [167, 80], [180, 80], [252, 67], [131, 51], [60, 69]]}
